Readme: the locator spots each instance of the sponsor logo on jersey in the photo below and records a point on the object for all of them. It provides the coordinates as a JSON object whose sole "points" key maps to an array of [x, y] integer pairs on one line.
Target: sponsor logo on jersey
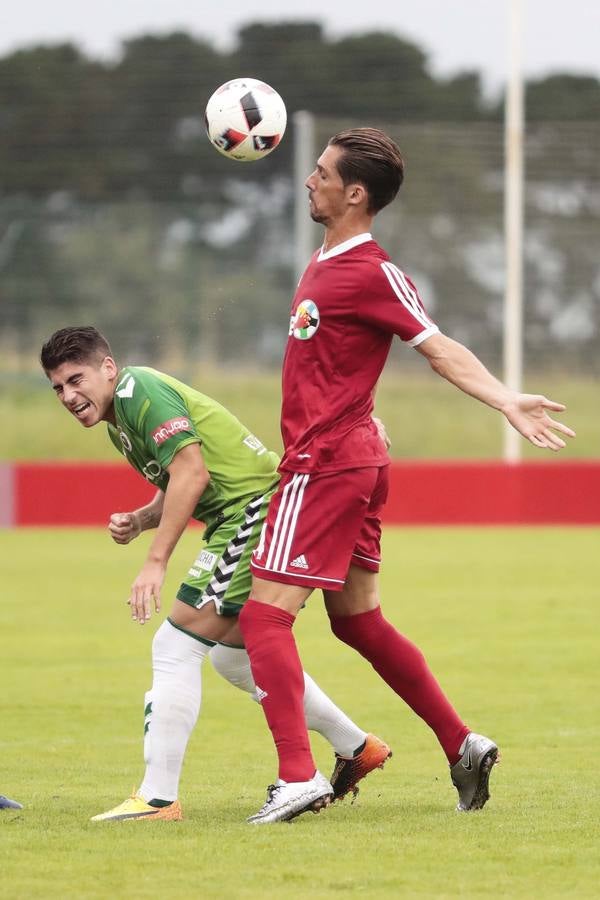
{"points": [[254, 444], [206, 561], [125, 440], [260, 694], [168, 429], [152, 470], [305, 321]]}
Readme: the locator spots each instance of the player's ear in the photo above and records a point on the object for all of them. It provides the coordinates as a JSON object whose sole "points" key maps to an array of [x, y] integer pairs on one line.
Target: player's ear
{"points": [[109, 367], [357, 194]]}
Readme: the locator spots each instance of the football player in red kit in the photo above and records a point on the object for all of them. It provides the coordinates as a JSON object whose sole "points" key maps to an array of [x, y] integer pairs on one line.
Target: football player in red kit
{"points": [[323, 526]]}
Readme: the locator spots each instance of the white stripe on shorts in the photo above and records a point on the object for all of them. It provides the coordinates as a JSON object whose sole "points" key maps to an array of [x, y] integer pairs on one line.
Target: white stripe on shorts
{"points": [[367, 558], [285, 523]]}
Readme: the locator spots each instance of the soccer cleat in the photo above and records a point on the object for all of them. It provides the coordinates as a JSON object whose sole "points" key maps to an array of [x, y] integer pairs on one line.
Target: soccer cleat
{"points": [[137, 808], [5, 803], [348, 771], [288, 799], [471, 774]]}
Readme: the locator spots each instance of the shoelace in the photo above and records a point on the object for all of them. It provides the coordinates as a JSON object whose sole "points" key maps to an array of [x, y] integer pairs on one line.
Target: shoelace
{"points": [[270, 793]]}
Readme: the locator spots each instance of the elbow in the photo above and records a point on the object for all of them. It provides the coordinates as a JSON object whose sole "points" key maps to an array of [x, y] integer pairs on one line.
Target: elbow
{"points": [[201, 480], [439, 365]]}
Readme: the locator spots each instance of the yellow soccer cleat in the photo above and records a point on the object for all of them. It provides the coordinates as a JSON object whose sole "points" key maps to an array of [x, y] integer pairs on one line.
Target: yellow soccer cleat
{"points": [[137, 808]]}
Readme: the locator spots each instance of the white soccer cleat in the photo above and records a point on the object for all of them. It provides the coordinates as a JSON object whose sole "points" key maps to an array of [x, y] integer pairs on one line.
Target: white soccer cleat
{"points": [[288, 799], [471, 774]]}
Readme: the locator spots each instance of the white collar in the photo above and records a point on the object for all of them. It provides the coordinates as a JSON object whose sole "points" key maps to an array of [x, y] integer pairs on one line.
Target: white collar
{"points": [[346, 245]]}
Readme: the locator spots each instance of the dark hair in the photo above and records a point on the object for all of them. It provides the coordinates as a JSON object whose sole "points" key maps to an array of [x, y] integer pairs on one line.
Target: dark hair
{"points": [[81, 343], [372, 159]]}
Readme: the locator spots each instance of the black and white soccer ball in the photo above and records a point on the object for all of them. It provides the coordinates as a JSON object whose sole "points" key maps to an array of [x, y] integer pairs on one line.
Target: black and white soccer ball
{"points": [[245, 119]]}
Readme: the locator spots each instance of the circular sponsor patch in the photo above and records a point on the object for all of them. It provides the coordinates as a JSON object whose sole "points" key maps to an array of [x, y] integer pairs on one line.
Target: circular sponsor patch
{"points": [[306, 320], [125, 440]]}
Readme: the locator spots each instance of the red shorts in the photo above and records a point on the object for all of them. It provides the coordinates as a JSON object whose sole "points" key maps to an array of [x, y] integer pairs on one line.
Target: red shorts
{"points": [[317, 525]]}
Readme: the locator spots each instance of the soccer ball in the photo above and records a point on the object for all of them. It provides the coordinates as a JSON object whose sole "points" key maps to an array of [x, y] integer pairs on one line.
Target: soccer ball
{"points": [[245, 119]]}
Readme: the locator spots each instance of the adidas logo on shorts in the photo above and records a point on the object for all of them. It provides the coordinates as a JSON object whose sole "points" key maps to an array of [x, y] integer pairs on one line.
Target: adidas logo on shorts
{"points": [[299, 562]]}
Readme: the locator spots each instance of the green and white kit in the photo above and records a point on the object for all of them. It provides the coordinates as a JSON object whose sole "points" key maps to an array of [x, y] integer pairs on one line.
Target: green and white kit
{"points": [[156, 415]]}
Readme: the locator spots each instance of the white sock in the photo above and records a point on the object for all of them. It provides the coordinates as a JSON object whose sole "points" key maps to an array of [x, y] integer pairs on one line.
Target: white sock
{"points": [[171, 709], [322, 715]]}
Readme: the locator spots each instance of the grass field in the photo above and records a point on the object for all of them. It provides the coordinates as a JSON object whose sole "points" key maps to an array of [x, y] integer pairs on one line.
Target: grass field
{"points": [[509, 621], [424, 416]]}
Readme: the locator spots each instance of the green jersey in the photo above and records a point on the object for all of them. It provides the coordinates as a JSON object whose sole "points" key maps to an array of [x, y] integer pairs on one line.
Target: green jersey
{"points": [[156, 416]]}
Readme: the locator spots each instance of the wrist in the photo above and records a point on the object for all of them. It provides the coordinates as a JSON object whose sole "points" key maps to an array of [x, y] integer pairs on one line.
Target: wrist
{"points": [[137, 521], [157, 558], [508, 400]]}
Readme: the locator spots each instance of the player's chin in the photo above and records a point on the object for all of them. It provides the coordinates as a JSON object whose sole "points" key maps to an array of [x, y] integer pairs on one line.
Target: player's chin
{"points": [[88, 419]]}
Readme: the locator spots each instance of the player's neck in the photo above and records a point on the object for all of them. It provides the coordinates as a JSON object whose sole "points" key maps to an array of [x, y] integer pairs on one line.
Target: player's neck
{"points": [[340, 232]]}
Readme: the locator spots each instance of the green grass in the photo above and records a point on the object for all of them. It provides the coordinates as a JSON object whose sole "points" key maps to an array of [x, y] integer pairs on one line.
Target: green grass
{"points": [[424, 416], [509, 621]]}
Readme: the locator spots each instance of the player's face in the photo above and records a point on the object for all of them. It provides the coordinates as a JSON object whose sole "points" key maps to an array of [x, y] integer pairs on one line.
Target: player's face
{"points": [[327, 195], [86, 389]]}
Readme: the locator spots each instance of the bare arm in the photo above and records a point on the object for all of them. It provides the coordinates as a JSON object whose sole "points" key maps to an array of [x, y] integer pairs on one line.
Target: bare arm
{"points": [[188, 478], [525, 412]]}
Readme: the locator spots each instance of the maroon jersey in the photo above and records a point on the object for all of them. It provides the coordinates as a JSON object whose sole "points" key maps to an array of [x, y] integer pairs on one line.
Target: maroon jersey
{"points": [[349, 304]]}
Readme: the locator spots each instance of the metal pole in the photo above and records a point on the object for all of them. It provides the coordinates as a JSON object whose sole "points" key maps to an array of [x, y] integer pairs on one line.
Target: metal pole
{"points": [[304, 163], [513, 223]]}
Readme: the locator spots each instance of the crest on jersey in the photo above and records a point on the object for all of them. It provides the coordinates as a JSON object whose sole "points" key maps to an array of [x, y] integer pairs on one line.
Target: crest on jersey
{"points": [[305, 321]]}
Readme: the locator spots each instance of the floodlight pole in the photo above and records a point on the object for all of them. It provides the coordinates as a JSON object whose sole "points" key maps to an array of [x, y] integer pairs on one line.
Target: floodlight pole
{"points": [[513, 223], [304, 163]]}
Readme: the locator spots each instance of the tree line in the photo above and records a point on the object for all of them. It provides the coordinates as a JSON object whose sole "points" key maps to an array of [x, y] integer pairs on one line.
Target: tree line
{"points": [[106, 130]]}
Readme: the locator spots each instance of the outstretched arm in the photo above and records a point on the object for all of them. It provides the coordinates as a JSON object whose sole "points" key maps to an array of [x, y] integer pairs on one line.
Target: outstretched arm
{"points": [[188, 478], [525, 412]]}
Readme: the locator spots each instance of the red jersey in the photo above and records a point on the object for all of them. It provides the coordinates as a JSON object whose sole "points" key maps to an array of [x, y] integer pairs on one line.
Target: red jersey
{"points": [[349, 304]]}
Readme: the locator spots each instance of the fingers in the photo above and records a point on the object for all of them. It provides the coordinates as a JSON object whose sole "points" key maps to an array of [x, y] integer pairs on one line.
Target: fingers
{"points": [[547, 440], [564, 429], [140, 602], [553, 405], [122, 527], [145, 589]]}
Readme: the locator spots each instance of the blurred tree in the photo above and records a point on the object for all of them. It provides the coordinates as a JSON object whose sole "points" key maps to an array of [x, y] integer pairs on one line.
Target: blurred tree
{"points": [[561, 98], [114, 205], [381, 76], [53, 103], [160, 87]]}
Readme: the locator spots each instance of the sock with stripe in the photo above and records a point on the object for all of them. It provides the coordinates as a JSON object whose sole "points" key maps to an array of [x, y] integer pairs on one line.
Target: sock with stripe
{"points": [[402, 665], [321, 713], [279, 680], [171, 710]]}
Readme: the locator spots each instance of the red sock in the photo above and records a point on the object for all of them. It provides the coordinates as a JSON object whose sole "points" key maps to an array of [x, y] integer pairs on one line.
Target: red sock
{"points": [[404, 668], [277, 670]]}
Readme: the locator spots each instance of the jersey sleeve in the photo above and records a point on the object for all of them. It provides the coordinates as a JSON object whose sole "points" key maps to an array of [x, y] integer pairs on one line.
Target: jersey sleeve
{"points": [[393, 304], [158, 414]]}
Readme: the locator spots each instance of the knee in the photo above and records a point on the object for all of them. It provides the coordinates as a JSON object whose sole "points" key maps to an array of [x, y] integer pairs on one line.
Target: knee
{"points": [[161, 642], [233, 665], [360, 631]]}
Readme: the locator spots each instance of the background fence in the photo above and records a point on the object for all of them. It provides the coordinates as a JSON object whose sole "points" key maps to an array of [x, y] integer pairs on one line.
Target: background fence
{"points": [[209, 278]]}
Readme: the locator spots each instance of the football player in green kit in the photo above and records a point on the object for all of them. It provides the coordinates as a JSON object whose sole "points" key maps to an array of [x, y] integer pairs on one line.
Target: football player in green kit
{"points": [[207, 466]]}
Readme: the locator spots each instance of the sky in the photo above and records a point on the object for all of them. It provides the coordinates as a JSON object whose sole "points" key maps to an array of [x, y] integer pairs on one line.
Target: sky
{"points": [[456, 35]]}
